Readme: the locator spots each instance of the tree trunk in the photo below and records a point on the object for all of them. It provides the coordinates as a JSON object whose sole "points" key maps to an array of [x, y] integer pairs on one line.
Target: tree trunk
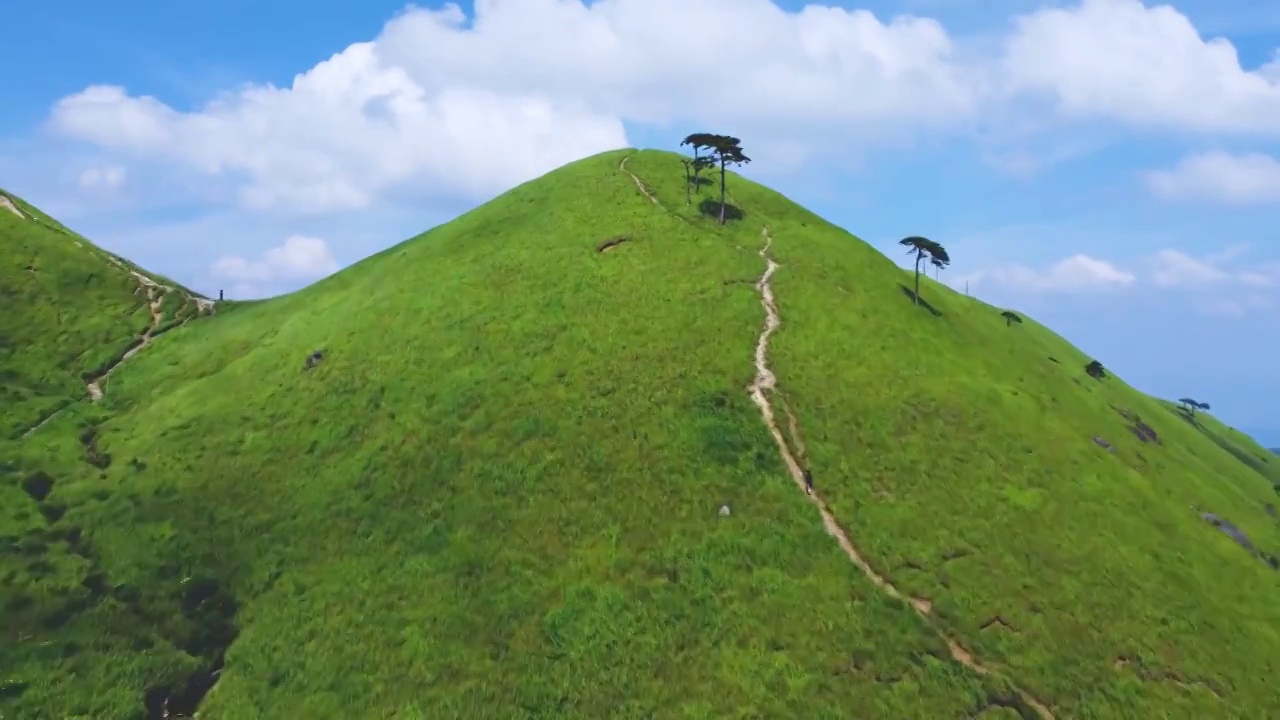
{"points": [[687, 181], [696, 169], [721, 189], [919, 257]]}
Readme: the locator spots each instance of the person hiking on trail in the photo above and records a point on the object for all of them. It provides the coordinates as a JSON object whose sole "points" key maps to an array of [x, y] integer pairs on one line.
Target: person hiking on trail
{"points": [[808, 481]]}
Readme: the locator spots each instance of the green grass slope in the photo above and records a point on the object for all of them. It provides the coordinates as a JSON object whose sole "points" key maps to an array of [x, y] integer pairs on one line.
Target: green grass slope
{"points": [[498, 494], [72, 310]]}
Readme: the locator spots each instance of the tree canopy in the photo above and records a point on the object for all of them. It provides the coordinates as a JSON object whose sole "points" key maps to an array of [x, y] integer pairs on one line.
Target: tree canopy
{"points": [[1095, 370], [724, 150], [924, 248], [1191, 405], [1010, 317]]}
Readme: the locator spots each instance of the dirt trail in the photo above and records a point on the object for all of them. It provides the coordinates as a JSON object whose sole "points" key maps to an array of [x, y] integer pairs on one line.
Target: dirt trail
{"points": [[48, 419], [765, 382], [155, 299], [644, 190], [8, 204], [156, 294]]}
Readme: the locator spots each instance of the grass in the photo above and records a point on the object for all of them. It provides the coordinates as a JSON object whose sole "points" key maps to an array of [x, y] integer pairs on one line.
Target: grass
{"points": [[497, 495]]}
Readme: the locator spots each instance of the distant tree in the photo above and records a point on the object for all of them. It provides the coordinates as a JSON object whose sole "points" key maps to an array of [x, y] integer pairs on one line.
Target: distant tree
{"points": [[699, 141], [938, 266], [1190, 406], [924, 248], [725, 150], [1010, 318], [1095, 370], [692, 168]]}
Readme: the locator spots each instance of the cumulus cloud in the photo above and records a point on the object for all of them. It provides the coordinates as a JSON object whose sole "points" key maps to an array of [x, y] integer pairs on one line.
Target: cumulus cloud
{"points": [[445, 104], [1073, 274], [655, 61], [346, 130], [1149, 66], [1219, 177], [102, 177], [297, 259], [448, 103]]}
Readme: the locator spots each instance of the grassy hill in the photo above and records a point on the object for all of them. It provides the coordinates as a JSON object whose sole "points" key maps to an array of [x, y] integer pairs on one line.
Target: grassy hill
{"points": [[499, 491]]}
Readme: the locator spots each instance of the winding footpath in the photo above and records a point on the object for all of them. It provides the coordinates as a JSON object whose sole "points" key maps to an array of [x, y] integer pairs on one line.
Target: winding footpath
{"points": [[643, 190], [155, 293], [766, 382]]}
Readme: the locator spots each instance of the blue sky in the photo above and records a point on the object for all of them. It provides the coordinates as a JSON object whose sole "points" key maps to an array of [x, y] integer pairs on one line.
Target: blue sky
{"points": [[1107, 166]]}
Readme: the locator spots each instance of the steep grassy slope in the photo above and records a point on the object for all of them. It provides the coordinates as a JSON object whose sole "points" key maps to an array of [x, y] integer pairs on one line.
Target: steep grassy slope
{"points": [[72, 311], [498, 493]]}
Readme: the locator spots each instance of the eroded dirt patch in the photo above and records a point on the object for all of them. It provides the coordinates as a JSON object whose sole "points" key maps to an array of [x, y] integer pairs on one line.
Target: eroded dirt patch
{"points": [[7, 204], [997, 622], [611, 243]]}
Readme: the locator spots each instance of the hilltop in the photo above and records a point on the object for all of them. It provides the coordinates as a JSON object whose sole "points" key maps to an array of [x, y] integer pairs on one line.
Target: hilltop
{"points": [[547, 460]]}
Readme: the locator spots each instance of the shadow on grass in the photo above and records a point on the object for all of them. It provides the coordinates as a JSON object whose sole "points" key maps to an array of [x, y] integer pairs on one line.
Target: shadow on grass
{"points": [[1255, 463], [711, 209], [696, 184], [921, 302]]}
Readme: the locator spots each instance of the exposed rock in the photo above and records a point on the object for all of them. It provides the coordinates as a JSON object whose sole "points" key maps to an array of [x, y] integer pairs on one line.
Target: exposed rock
{"points": [[1097, 439], [1229, 529], [724, 511], [313, 359]]}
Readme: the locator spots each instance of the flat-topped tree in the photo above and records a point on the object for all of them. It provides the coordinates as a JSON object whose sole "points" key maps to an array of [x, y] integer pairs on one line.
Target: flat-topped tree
{"points": [[724, 150], [1010, 317], [925, 249], [698, 141], [1191, 406]]}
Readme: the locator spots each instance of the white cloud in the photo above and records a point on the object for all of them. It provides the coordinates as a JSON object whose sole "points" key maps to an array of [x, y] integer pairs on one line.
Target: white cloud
{"points": [[299, 258], [717, 60], [1221, 284], [1149, 66], [346, 130], [443, 103], [102, 177], [1074, 274], [1174, 268], [1219, 177]]}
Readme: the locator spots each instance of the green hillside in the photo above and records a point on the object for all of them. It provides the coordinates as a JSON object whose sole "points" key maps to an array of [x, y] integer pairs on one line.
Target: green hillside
{"points": [[500, 490]]}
